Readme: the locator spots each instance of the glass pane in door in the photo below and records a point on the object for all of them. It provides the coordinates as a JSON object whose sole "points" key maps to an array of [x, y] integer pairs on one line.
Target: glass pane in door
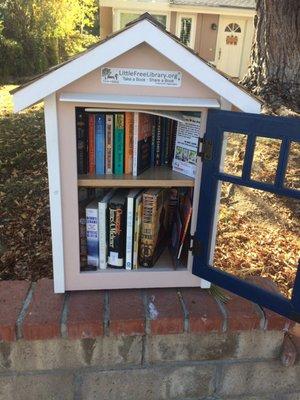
{"points": [[258, 234]]}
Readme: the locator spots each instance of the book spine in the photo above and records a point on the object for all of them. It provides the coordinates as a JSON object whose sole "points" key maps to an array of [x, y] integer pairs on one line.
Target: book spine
{"points": [[109, 144], [119, 144], [147, 230], [153, 139], [135, 143], [137, 229], [163, 141], [116, 236], [102, 210], [129, 232], [91, 155], [81, 137], [99, 142], [92, 236], [82, 237], [168, 139], [158, 142], [128, 142]]}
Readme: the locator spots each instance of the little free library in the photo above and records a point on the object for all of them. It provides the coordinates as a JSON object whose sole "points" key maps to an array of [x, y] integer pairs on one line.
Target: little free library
{"points": [[136, 132]]}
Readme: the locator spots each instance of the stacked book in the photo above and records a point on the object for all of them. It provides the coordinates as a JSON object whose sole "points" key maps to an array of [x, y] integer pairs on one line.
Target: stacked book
{"points": [[130, 228], [123, 143]]}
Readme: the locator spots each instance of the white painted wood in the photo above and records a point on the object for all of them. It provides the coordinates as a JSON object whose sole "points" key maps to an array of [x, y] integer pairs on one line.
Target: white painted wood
{"points": [[153, 7], [175, 115], [142, 31], [53, 162], [153, 101], [225, 106], [196, 201], [229, 56]]}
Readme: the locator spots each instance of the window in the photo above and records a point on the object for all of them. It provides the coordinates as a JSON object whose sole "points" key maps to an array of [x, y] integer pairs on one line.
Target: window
{"points": [[233, 27], [126, 17], [186, 29]]}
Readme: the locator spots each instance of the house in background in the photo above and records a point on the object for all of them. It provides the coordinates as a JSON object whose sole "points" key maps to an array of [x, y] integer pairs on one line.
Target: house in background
{"points": [[221, 31]]}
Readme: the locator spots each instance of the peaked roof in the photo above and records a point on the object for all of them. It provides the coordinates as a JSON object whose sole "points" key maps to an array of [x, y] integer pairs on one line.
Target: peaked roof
{"points": [[249, 4], [146, 29]]}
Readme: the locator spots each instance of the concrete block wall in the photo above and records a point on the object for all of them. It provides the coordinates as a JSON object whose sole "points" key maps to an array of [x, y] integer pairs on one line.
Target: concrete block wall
{"points": [[162, 344]]}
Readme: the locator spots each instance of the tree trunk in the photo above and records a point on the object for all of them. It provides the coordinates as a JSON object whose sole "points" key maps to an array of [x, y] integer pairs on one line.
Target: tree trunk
{"points": [[274, 72]]}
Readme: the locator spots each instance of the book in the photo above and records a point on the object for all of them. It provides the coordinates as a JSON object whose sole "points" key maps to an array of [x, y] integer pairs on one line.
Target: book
{"points": [[91, 155], [81, 139], [99, 142], [103, 228], [142, 138], [151, 232], [109, 129], [130, 227], [82, 235], [129, 116], [186, 215], [137, 228], [119, 142], [153, 141], [117, 228], [92, 233], [186, 146], [158, 142]]}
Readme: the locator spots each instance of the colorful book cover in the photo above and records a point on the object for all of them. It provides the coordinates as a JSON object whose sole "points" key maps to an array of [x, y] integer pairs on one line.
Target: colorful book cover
{"points": [[109, 129], [119, 142], [142, 138], [100, 142], [137, 228], [130, 227], [91, 157], [82, 141], [92, 234], [117, 229], [129, 117], [187, 135], [103, 235], [152, 223]]}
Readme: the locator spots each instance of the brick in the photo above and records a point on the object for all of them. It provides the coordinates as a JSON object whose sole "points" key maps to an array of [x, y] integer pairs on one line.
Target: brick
{"points": [[126, 312], [160, 383], [164, 311], [43, 318], [190, 347], [259, 378], [259, 344], [12, 296], [85, 314], [242, 314], [204, 312], [274, 321], [42, 387]]}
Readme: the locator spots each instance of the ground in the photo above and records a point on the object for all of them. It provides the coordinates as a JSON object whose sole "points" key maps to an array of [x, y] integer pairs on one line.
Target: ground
{"points": [[258, 234], [25, 242]]}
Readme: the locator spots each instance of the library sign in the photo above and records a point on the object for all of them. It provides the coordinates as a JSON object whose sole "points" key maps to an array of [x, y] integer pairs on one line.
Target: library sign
{"points": [[141, 77]]}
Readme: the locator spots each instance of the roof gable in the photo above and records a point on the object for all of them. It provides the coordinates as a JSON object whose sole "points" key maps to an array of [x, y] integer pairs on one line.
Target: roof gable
{"points": [[143, 30]]}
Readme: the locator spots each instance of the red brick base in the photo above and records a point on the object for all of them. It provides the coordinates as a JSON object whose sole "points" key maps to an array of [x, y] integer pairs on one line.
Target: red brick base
{"points": [[35, 312]]}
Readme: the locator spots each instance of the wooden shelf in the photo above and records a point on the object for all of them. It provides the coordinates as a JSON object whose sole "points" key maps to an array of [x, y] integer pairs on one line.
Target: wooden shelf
{"points": [[152, 177]]}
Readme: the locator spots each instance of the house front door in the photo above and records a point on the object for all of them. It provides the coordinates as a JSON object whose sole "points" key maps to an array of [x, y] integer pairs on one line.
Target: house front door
{"points": [[230, 45]]}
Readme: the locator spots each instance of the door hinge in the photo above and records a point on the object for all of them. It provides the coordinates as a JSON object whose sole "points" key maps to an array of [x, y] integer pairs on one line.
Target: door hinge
{"points": [[206, 149], [195, 246]]}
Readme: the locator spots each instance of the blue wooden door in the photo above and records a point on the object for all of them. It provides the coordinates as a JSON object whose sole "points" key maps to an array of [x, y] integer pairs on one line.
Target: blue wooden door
{"points": [[285, 133]]}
